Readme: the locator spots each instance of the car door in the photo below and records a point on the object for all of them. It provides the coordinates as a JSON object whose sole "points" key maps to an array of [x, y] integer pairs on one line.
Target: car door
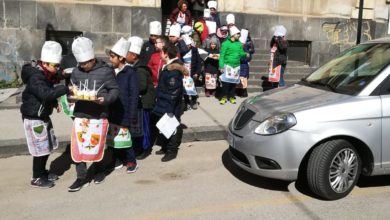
{"points": [[385, 99]]}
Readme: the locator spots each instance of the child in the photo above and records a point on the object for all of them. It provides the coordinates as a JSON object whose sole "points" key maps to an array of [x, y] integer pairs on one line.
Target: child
{"points": [[193, 63], [211, 66], [124, 109], [249, 48], [229, 64], [90, 124], [168, 101], [39, 99]]}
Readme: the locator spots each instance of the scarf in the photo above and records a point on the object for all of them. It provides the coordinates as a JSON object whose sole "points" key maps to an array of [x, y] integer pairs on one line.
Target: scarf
{"points": [[51, 77]]}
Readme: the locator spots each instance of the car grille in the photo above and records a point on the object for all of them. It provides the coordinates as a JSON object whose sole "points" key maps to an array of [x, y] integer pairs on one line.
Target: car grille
{"points": [[237, 155], [243, 117]]}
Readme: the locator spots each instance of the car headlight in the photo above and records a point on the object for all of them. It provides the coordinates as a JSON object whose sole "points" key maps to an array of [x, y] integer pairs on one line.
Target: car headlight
{"points": [[276, 124]]}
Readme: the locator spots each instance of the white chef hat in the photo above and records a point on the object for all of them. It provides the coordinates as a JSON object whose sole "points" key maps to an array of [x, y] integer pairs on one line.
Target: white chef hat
{"points": [[280, 30], [174, 30], [135, 44], [155, 28], [121, 47], [51, 52], [211, 26], [206, 13], [244, 35], [230, 19], [212, 4], [234, 30], [82, 49], [186, 29]]}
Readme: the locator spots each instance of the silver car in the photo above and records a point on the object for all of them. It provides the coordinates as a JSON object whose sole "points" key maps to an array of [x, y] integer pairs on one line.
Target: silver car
{"points": [[330, 128]]}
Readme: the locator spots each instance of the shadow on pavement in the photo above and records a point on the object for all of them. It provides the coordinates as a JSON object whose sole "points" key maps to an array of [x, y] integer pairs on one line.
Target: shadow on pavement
{"points": [[251, 179], [373, 181], [63, 163]]}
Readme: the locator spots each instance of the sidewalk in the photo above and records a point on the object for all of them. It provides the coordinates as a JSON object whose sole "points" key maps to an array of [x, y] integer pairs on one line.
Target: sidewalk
{"points": [[207, 123]]}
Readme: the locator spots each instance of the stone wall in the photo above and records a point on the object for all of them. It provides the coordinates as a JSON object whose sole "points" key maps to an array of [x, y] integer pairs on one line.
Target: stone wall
{"points": [[330, 25], [328, 36], [23, 26]]}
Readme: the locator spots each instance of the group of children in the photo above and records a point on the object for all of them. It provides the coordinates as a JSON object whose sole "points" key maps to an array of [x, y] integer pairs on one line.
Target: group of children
{"points": [[217, 56], [119, 105]]}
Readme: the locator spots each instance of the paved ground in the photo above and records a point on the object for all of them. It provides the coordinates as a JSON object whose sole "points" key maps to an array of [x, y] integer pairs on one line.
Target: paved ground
{"points": [[207, 123], [202, 183]]}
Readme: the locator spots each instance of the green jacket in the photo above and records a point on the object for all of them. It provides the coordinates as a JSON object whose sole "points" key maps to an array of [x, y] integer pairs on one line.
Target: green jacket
{"points": [[147, 91], [231, 53]]}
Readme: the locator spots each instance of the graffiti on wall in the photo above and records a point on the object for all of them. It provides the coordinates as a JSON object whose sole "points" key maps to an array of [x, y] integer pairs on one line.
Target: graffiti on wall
{"points": [[344, 33], [9, 57]]}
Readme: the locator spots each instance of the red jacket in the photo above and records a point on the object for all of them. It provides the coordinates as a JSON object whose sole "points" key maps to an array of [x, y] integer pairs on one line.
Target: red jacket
{"points": [[155, 64], [205, 32]]}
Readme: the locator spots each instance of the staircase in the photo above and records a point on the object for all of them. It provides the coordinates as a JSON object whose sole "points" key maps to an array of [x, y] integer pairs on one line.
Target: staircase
{"points": [[294, 72]]}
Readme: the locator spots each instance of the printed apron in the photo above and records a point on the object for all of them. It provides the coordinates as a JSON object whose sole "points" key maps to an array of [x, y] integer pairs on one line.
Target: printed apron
{"points": [[40, 137], [189, 86], [67, 107], [274, 72], [210, 81], [118, 136], [88, 139], [188, 82], [231, 74]]}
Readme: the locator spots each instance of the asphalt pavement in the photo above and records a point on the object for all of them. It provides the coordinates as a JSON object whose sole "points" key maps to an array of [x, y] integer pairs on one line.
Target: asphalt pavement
{"points": [[207, 123]]}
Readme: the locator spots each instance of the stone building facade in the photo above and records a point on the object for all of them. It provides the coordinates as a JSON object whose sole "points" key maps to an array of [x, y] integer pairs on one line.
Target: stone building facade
{"points": [[317, 29]]}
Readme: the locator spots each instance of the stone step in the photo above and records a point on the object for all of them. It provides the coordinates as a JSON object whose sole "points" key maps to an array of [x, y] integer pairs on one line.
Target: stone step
{"points": [[258, 56], [289, 69], [265, 63]]}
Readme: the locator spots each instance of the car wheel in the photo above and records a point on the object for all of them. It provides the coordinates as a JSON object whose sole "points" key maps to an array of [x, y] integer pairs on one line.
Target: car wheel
{"points": [[333, 169]]}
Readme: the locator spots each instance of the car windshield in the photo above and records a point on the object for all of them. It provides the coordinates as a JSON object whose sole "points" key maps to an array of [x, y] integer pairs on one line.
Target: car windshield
{"points": [[352, 70]]}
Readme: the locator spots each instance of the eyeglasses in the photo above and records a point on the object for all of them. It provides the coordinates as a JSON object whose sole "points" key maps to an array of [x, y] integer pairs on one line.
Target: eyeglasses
{"points": [[55, 65]]}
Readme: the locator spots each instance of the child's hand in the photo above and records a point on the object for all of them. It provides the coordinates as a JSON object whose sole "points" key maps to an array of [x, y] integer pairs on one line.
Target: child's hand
{"points": [[58, 108], [100, 100]]}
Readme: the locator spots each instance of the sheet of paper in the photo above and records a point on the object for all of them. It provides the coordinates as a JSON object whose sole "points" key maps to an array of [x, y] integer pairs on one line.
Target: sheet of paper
{"points": [[167, 125]]}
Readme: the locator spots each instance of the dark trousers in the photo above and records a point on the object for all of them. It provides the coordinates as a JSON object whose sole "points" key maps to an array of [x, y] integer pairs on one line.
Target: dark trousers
{"points": [[228, 90], [125, 155], [188, 100], [170, 145], [81, 169], [39, 166]]}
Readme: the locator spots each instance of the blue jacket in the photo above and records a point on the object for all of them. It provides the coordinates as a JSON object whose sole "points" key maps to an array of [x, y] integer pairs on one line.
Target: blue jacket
{"points": [[170, 90], [244, 64], [124, 109]]}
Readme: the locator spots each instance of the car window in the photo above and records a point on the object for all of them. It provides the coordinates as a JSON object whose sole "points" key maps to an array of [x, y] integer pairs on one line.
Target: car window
{"points": [[352, 70]]}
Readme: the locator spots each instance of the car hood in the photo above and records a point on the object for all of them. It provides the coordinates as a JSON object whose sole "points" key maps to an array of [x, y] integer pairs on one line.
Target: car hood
{"points": [[292, 99]]}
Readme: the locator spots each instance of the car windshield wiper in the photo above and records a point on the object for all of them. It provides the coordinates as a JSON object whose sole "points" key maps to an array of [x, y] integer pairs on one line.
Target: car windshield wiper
{"points": [[331, 87], [317, 83]]}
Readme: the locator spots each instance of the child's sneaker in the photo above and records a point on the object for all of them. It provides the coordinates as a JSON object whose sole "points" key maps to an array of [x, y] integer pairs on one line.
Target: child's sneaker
{"points": [[52, 177], [118, 164], [232, 100], [77, 185], [99, 178], [42, 183], [222, 101], [131, 167], [194, 106]]}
